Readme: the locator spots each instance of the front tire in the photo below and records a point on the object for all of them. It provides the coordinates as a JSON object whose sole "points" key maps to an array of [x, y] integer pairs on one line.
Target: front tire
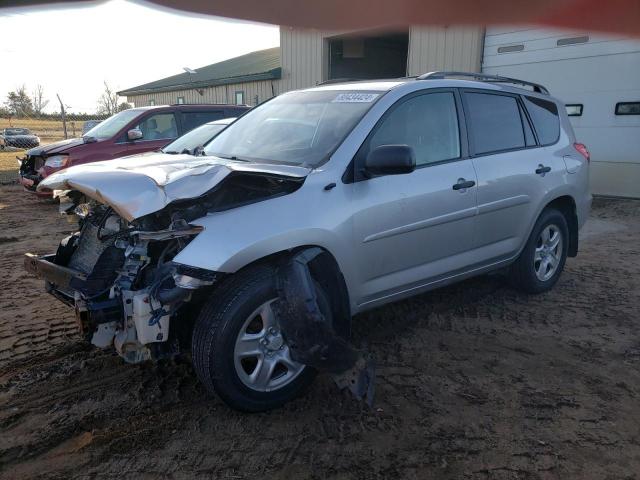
{"points": [[238, 349], [542, 260]]}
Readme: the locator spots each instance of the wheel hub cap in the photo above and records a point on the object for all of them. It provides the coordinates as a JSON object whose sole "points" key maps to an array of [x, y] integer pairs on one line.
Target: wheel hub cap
{"points": [[548, 252], [273, 340], [261, 355]]}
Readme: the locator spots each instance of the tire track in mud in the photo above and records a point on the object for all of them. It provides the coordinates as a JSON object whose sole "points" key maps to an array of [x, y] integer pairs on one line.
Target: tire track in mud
{"points": [[30, 323], [474, 381]]}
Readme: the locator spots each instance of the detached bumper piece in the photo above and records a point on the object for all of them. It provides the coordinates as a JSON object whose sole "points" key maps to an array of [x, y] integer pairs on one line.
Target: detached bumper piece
{"points": [[58, 278], [311, 337], [62, 282]]}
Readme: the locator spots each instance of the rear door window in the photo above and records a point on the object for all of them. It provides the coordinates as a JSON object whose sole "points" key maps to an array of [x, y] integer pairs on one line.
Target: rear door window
{"points": [[546, 122], [494, 121], [191, 120]]}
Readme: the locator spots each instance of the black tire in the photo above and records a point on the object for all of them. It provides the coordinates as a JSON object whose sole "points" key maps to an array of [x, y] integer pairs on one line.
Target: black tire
{"points": [[523, 271], [215, 333]]}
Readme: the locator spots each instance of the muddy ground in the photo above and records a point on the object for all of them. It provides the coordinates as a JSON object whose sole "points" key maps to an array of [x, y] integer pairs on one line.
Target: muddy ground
{"points": [[474, 381]]}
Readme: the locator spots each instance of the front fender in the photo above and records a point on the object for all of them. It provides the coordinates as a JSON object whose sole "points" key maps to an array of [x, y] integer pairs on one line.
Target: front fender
{"points": [[235, 238]]}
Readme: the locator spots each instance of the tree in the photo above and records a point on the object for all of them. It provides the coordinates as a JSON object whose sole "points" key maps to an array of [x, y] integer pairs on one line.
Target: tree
{"points": [[124, 106], [39, 102], [19, 103], [108, 103]]}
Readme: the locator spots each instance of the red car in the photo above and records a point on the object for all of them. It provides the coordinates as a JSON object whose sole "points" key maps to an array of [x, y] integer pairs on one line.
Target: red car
{"points": [[129, 132]]}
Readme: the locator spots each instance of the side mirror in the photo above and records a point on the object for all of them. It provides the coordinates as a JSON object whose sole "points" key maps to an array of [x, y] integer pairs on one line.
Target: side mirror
{"points": [[134, 134], [390, 160]]}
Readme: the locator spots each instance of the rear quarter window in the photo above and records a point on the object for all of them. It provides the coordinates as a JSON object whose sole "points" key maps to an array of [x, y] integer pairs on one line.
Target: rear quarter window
{"points": [[495, 123], [546, 122]]}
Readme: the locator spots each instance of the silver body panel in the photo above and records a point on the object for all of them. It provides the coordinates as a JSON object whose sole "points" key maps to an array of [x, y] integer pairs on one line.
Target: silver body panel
{"points": [[393, 236]]}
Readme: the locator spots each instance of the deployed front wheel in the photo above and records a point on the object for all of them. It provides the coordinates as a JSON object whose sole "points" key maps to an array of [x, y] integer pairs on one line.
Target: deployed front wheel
{"points": [[540, 264], [239, 350]]}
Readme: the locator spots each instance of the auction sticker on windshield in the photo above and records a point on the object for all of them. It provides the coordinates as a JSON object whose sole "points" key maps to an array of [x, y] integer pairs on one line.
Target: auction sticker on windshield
{"points": [[355, 98]]}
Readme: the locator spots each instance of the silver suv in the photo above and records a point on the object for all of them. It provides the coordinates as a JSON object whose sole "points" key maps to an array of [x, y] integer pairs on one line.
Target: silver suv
{"points": [[310, 208]]}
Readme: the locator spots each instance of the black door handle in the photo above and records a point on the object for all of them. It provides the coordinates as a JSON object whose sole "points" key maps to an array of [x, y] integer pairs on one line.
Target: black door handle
{"points": [[463, 184], [541, 170]]}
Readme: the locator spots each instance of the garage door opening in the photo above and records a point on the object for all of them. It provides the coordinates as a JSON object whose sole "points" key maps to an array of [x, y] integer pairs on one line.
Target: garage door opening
{"points": [[368, 56]]}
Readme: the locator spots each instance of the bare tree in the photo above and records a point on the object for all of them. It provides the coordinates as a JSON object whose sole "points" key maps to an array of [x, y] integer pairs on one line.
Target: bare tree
{"points": [[39, 102], [108, 101]]}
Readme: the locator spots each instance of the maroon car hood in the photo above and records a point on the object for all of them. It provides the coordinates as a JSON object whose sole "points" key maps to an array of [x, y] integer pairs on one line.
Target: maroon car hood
{"points": [[57, 147]]}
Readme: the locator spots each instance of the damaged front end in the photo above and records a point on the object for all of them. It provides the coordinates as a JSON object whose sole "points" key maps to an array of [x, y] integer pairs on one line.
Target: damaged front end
{"points": [[125, 270], [122, 282], [31, 170], [118, 271]]}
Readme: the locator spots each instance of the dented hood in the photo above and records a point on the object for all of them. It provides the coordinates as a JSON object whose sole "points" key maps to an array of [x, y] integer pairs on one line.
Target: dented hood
{"points": [[137, 186]]}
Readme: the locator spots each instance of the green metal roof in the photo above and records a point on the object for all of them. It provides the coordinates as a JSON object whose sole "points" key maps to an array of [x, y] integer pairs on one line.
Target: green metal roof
{"points": [[260, 65]]}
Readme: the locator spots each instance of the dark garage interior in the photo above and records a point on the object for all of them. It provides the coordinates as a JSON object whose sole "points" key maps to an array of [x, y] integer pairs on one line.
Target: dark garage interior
{"points": [[368, 56]]}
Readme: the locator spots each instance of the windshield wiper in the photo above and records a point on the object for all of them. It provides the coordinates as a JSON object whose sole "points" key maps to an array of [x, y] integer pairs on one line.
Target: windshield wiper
{"points": [[170, 152], [233, 157]]}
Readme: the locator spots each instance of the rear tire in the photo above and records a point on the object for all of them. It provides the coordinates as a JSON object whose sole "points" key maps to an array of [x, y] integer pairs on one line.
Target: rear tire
{"points": [[542, 260], [236, 322]]}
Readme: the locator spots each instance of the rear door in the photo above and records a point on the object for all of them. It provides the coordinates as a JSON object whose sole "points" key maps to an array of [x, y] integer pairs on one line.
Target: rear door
{"points": [[514, 165], [193, 119], [415, 227]]}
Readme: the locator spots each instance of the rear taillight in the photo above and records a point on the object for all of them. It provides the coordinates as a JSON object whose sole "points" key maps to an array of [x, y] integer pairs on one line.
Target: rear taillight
{"points": [[582, 149]]}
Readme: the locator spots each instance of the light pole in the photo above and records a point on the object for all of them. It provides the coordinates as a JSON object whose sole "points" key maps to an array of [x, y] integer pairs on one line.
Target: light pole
{"points": [[191, 72]]}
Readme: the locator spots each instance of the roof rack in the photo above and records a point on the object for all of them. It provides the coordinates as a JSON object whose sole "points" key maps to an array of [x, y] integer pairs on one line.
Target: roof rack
{"points": [[483, 77], [339, 80]]}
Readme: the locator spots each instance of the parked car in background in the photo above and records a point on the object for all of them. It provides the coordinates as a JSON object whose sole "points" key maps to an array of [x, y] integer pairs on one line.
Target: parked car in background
{"points": [[132, 131], [312, 207], [89, 124], [19, 138]]}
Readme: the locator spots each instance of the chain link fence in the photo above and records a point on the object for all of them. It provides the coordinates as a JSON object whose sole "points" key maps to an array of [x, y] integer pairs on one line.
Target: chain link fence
{"points": [[19, 134]]}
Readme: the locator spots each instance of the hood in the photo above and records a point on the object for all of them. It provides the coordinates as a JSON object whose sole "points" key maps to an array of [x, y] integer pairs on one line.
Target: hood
{"points": [[57, 147], [137, 186]]}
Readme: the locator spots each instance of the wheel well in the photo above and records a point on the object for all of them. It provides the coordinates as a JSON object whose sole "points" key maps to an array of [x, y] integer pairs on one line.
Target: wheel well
{"points": [[326, 271], [567, 206]]}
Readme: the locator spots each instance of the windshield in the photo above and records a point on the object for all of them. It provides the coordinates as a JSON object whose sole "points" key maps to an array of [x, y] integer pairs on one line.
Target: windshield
{"points": [[112, 125], [195, 138], [299, 128]]}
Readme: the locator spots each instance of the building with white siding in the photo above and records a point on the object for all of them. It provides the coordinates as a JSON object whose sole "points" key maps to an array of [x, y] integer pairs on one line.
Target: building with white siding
{"points": [[598, 76]]}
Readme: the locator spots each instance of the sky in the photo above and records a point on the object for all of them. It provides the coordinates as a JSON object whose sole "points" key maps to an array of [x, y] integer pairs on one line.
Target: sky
{"points": [[73, 50]]}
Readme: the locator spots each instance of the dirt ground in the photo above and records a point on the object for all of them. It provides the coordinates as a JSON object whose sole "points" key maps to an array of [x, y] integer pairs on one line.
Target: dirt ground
{"points": [[474, 381]]}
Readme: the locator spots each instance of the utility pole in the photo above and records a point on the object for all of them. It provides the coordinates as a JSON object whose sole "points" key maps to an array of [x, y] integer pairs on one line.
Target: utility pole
{"points": [[63, 115]]}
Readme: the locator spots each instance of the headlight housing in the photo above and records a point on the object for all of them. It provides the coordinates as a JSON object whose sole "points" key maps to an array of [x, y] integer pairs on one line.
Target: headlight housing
{"points": [[57, 161], [83, 210]]}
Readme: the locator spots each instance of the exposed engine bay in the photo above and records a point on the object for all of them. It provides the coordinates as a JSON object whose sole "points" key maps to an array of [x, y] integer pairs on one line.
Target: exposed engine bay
{"points": [[120, 277]]}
